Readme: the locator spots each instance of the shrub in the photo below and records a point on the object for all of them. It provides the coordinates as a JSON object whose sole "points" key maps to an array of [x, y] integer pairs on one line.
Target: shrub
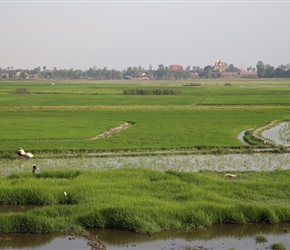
{"points": [[150, 92], [22, 91], [193, 84], [278, 246]]}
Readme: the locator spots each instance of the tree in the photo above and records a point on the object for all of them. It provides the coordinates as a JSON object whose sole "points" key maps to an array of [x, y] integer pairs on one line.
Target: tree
{"points": [[160, 72], [261, 69], [149, 72], [232, 68], [207, 71], [269, 71]]}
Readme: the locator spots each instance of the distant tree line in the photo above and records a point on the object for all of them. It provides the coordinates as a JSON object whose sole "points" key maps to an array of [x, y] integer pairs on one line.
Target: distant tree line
{"points": [[161, 73], [268, 71]]}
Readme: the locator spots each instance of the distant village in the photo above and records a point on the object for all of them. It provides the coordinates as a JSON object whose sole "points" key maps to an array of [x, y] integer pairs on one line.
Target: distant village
{"points": [[224, 70], [175, 71]]}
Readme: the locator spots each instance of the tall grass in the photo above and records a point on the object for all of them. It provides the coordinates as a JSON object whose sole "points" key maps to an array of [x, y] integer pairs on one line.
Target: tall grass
{"points": [[142, 200]]}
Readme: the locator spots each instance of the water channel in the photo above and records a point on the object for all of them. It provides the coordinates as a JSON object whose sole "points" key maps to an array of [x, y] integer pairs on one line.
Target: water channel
{"points": [[213, 237]]}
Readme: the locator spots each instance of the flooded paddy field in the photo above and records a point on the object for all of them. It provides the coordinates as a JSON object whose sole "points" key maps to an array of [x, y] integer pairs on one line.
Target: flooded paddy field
{"points": [[279, 134], [186, 163]]}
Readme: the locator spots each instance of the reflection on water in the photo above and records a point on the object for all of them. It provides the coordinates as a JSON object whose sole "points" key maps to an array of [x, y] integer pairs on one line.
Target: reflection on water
{"points": [[16, 208], [41, 241], [213, 237]]}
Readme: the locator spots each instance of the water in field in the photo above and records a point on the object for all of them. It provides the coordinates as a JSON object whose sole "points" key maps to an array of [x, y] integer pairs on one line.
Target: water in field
{"points": [[187, 163], [213, 237], [279, 134]]}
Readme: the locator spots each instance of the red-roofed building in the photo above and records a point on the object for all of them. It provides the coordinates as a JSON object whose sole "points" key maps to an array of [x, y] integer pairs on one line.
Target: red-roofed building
{"points": [[175, 67], [230, 74]]}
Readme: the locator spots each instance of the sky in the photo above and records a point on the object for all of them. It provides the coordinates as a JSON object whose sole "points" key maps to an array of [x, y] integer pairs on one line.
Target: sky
{"points": [[121, 34]]}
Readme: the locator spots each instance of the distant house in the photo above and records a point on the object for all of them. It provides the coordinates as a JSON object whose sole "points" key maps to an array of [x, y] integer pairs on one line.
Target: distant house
{"points": [[5, 75], [33, 76], [230, 74], [127, 77], [244, 74], [175, 67], [143, 76], [249, 74]]}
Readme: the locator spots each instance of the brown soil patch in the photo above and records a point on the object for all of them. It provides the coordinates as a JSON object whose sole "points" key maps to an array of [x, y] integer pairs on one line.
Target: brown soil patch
{"points": [[112, 131]]}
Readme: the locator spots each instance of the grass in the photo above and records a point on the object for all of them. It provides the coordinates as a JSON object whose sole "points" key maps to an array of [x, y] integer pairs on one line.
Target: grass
{"points": [[66, 130], [278, 246], [142, 200], [60, 118], [261, 238]]}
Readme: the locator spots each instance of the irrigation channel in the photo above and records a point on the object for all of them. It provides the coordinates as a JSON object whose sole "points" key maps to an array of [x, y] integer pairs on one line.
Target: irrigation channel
{"points": [[212, 237]]}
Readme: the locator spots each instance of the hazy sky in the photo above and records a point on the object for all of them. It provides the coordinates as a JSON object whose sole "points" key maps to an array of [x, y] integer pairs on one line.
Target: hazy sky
{"points": [[121, 34]]}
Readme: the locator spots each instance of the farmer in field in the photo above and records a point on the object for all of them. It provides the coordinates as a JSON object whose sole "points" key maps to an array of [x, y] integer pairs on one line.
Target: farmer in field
{"points": [[35, 169]]}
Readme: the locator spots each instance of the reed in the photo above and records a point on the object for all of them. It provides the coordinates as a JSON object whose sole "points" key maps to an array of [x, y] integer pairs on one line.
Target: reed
{"points": [[142, 200]]}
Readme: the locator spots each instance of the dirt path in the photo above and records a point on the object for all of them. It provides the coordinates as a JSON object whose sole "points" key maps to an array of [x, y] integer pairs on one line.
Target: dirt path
{"points": [[112, 131]]}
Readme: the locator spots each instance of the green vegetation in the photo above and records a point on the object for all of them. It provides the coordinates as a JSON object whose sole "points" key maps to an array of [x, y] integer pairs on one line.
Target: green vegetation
{"points": [[65, 116], [278, 246], [261, 238], [142, 200], [21, 91], [63, 130], [61, 117]]}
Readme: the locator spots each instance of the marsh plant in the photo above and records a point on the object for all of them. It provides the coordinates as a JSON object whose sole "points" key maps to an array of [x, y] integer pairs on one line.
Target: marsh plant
{"points": [[142, 200], [278, 246], [261, 238]]}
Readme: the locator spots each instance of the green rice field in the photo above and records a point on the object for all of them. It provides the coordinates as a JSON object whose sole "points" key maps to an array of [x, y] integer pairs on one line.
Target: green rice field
{"points": [[63, 119], [63, 116]]}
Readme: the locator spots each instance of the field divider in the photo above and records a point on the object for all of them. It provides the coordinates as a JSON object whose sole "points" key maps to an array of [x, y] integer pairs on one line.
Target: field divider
{"points": [[111, 131]]}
